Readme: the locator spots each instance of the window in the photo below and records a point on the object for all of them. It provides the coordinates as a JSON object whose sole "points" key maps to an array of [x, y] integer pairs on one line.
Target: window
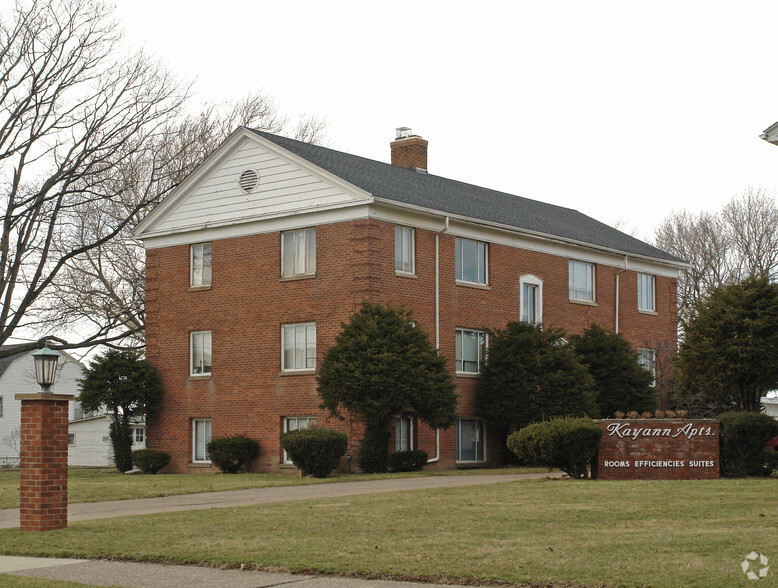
{"points": [[298, 253], [471, 444], [471, 261], [201, 436], [403, 438], [1, 407], [71, 438], [646, 292], [299, 347], [471, 351], [200, 345], [200, 265], [293, 424], [140, 434], [647, 360], [581, 281], [531, 299], [403, 250]]}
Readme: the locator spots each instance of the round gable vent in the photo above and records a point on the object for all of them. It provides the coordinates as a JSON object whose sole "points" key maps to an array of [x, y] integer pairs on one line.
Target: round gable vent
{"points": [[248, 180]]}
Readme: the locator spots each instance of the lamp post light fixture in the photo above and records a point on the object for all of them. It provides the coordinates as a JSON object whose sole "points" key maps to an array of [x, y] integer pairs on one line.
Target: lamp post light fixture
{"points": [[45, 368]]}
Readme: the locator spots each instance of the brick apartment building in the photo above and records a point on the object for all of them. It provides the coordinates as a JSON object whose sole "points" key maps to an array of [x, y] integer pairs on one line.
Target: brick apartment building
{"points": [[255, 260]]}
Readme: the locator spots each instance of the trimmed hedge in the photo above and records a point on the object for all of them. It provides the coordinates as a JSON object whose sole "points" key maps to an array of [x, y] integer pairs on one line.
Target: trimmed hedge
{"points": [[743, 444], [230, 453], [150, 461], [408, 461], [315, 450], [569, 444]]}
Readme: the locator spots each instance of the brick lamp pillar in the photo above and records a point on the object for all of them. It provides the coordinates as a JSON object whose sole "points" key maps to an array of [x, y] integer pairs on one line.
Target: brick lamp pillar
{"points": [[43, 477]]}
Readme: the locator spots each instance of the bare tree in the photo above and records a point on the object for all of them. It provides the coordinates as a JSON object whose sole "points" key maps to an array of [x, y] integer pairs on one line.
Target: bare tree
{"points": [[102, 290], [14, 441], [73, 109], [739, 241]]}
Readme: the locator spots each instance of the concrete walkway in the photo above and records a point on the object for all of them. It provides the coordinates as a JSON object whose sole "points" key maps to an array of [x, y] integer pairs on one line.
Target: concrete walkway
{"points": [[119, 508], [112, 573]]}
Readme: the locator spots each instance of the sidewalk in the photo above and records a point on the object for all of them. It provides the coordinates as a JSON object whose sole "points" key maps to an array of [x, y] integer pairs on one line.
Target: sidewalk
{"points": [[112, 573], [118, 508]]}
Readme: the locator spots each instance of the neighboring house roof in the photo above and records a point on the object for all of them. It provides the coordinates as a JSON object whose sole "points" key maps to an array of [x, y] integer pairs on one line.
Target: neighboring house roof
{"points": [[6, 362], [770, 134], [411, 189], [425, 190]]}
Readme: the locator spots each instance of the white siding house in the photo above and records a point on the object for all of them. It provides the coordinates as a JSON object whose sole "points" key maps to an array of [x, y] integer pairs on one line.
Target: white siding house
{"points": [[17, 376], [770, 406], [89, 443]]}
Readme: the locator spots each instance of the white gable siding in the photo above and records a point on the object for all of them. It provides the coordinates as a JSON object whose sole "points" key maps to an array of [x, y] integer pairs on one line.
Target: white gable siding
{"points": [[19, 378], [92, 447], [285, 187]]}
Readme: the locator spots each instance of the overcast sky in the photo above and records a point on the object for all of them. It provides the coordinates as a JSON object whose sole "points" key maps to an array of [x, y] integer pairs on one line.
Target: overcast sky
{"points": [[622, 110]]}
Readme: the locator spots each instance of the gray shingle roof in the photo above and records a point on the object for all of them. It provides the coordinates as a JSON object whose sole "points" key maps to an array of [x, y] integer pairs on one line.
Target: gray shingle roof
{"points": [[407, 186]]}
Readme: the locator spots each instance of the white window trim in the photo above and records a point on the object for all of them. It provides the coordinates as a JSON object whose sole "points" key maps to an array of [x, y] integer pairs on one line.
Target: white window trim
{"points": [[571, 282], [135, 435], [203, 284], [412, 271], [481, 360], [410, 433], [73, 437], [315, 336], [194, 441], [286, 459], [652, 358], [309, 271], [486, 262], [191, 355], [653, 292], [533, 281], [459, 436]]}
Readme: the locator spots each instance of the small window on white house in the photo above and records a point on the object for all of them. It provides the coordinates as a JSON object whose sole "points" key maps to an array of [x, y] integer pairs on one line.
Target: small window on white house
{"points": [[200, 265], [71, 438], [471, 259], [1, 407], [298, 252], [298, 347], [471, 351], [646, 289], [531, 299], [200, 356], [581, 281], [201, 436], [404, 250], [294, 424], [647, 360], [403, 437], [471, 440], [140, 434]]}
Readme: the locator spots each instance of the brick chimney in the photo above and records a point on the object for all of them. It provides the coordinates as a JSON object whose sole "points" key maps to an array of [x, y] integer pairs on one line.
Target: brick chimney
{"points": [[409, 150]]}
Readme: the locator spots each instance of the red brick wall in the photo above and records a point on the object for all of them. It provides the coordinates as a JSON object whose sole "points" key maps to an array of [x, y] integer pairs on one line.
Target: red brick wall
{"points": [[409, 152], [43, 477], [658, 449], [248, 303]]}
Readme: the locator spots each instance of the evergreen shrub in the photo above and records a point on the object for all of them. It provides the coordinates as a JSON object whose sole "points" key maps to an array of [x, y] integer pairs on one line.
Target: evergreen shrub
{"points": [[374, 451], [315, 450], [743, 443], [569, 444], [408, 461], [150, 461], [229, 454]]}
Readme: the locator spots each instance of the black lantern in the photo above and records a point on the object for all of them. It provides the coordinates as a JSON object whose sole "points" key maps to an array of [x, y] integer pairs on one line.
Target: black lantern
{"points": [[45, 367]]}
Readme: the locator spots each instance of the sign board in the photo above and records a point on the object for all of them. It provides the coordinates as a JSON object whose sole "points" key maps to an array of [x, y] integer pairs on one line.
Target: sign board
{"points": [[658, 449]]}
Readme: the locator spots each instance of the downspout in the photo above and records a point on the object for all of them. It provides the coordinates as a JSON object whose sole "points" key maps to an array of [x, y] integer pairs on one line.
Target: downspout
{"points": [[618, 273], [437, 320]]}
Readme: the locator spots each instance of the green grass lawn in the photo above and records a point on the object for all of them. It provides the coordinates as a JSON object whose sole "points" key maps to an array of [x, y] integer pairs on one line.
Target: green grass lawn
{"points": [[99, 484], [636, 533], [9, 581]]}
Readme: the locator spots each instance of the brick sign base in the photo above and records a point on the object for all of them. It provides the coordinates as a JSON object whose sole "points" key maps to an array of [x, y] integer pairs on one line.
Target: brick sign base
{"points": [[658, 449]]}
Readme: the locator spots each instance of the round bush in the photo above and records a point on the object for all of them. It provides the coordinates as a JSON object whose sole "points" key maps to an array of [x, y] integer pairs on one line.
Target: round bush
{"points": [[230, 453], [569, 444], [150, 461], [315, 450], [743, 443], [408, 461]]}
